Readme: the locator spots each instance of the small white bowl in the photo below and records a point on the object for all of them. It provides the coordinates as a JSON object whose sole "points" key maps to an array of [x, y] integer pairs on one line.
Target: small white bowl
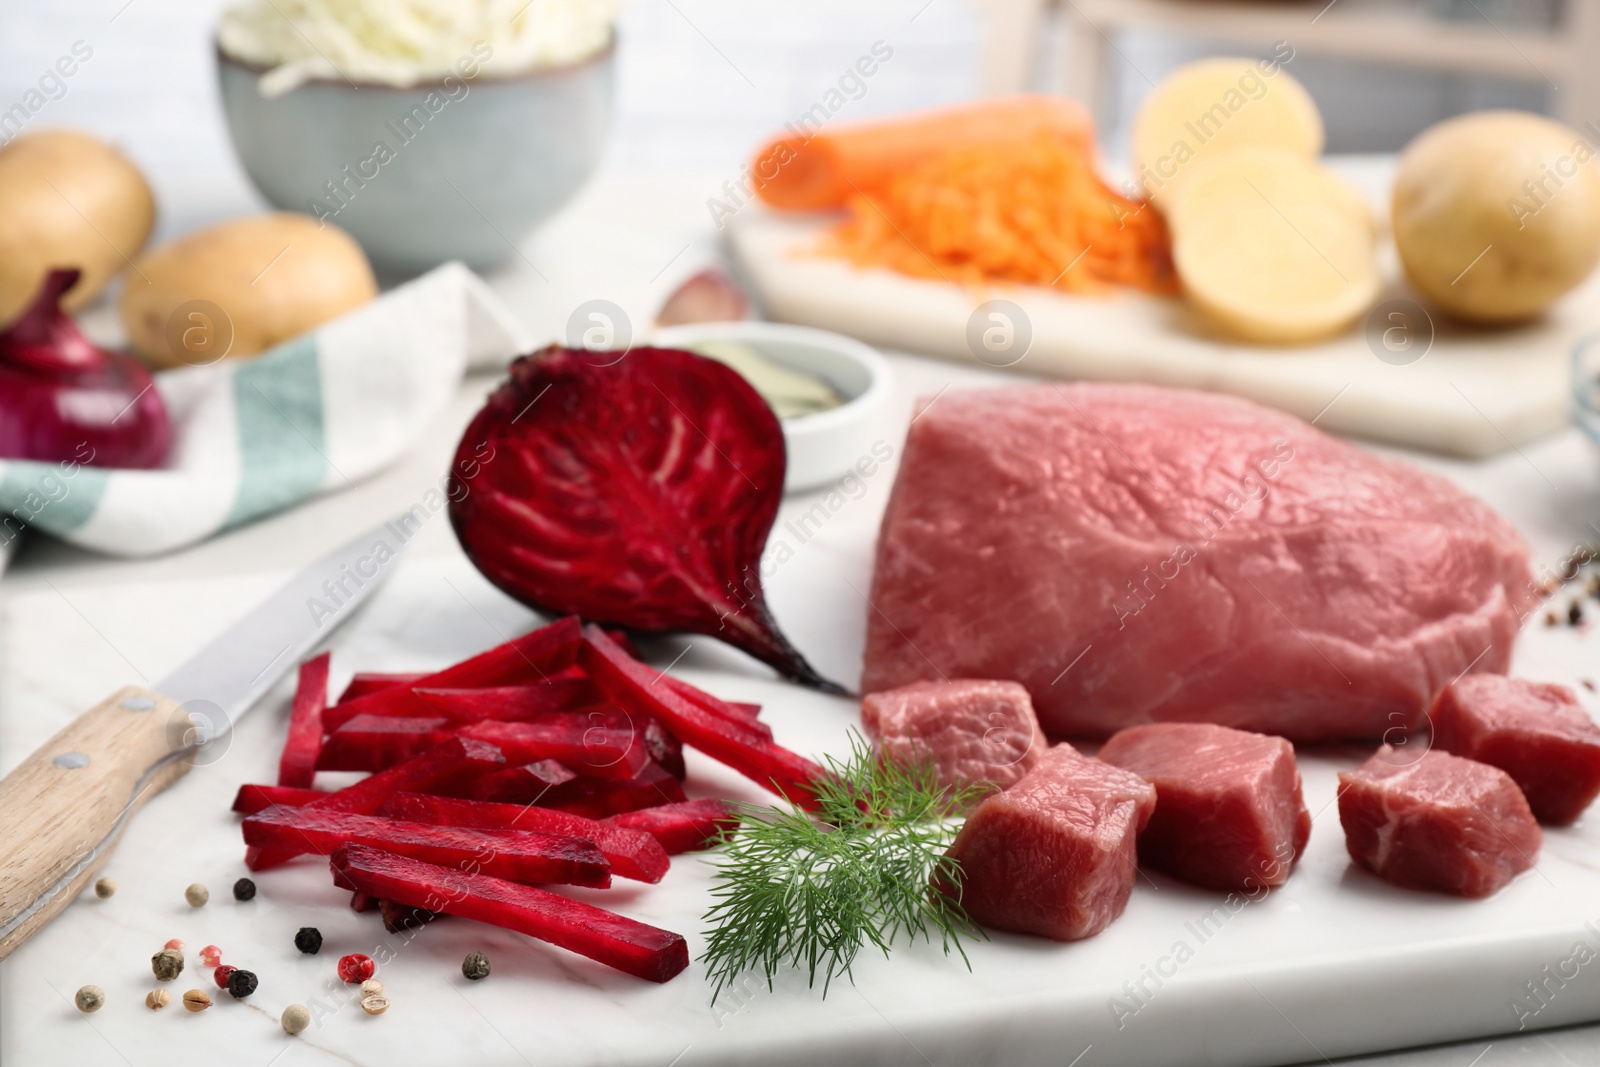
{"points": [[825, 446]]}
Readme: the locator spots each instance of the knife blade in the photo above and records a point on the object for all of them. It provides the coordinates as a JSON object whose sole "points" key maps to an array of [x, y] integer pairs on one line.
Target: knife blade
{"points": [[66, 805]]}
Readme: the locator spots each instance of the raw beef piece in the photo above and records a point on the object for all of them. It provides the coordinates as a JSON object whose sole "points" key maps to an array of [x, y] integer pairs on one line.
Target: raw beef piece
{"points": [[1134, 554], [1054, 855], [1229, 813], [1539, 734], [1436, 821], [974, 731]]}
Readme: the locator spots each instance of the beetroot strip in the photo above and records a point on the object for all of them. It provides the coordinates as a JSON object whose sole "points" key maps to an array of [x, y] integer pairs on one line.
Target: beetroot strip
{"points": [[533, 656], [588, 744], [376, 742], [517, 855], [632, 853], [638, 949], [688, 827], [297, 765], [510, 703], [630, 684], [365, 682], [252, 798], [449, 763]]}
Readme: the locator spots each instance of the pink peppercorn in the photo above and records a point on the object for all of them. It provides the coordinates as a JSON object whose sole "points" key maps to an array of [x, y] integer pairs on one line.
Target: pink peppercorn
{"points": [[174, 943], [211, 955], [356, 967], [221, 975]]}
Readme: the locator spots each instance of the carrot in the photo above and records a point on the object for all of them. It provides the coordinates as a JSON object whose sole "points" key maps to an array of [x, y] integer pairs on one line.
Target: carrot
{"points": [[1031, 212], [825, 168]]}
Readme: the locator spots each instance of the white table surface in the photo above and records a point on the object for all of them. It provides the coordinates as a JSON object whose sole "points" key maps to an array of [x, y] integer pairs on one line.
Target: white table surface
{"points": [[75, 626]]}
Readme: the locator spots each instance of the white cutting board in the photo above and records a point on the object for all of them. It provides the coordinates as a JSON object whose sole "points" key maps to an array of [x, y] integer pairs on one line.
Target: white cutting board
{"points": [[1333, 963], [1474, 393]]}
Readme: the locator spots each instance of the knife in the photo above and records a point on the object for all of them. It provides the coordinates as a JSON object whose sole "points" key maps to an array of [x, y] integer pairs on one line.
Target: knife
{"points": [[63, 808]]}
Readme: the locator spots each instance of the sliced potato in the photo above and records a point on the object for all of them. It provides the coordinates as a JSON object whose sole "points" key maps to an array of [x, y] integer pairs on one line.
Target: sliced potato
{"points": [[1276, 173], [1277, 252], [69, 200], [241, 287], [1216, 106]]}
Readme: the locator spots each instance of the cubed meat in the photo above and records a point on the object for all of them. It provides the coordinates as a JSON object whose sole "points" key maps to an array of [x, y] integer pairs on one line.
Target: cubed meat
{"points": [[1537, 733], [1054, 854], [973, 731], [1229, 812], [1437, 821]]}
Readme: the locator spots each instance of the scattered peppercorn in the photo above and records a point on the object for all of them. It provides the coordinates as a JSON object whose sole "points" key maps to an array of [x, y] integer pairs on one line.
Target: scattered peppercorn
{"points": [[241, 984], [295, 1018], [104, 887], [1574, 613], [1550, 618], [221, 974], [371, 987], [196, 1000], [376, 1004], [197, 895], [356, 967], [308, 940], [157, 999], [174, 944], [475, 966], [244, 889], [211, 955], [89, 999], [167, 964]]}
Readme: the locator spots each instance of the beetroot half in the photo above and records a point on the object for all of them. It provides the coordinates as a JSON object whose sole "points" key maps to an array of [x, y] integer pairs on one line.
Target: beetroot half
{"points": [[636, 490]]}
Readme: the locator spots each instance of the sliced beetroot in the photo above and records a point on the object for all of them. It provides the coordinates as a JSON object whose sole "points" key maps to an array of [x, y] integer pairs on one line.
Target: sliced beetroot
{"points": [[636, 490], [373, 742], [297, 765], [450, 765], [510, 703], [516, 855], [601, 743], [365, 682], [664, 747], [252, 798], [614, 940], [629, 684], [743, 715], [533, 657], [361, 902], [594, 797], [686, 827], [632, 853], [527, 784]]}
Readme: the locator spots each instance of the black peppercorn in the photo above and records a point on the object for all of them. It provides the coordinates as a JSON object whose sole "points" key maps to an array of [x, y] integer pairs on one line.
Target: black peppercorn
{"points": [[244, 889], [241, 983], [1574, 613], [308, 940], [475, 966]]}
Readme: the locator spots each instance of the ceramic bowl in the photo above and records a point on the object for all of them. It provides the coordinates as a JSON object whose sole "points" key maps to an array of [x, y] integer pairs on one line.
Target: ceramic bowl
{"points": [[826, 446], [455, 169]]}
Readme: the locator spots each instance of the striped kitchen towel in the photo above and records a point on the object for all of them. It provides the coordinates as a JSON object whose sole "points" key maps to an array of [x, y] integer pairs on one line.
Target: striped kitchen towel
{"points": [[254, 436]]}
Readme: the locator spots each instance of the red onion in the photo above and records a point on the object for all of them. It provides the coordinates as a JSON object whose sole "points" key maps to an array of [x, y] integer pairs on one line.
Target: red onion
{"points": [[61, 398]]}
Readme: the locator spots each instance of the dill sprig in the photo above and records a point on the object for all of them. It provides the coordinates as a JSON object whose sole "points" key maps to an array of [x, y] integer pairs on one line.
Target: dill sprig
{"points": [[811, 890]]}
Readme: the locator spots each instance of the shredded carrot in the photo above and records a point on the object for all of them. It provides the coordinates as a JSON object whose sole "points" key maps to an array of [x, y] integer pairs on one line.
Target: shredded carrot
{"points": [[1030, 211]]}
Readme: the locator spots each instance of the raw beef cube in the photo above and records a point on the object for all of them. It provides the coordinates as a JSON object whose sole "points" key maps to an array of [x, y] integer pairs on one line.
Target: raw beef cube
{"points": [[1436, 821], [1054, 855], [1229, 814], [1539, 734], [1135, 554], [974, 731]]}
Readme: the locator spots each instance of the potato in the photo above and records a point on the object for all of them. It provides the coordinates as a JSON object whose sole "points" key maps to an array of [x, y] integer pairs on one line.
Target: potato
{"points": [[241, 287], [67, 200], [1497, 214], [1216, 106], [1273, 249], [1276, 173]]}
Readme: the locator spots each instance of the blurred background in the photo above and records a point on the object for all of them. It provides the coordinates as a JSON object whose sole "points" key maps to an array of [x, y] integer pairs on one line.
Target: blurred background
{"points": [[701, 81]]}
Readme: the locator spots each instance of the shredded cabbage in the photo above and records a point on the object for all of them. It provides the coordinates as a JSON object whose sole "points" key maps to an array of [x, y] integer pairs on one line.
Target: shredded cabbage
{"points": [[405, 42]]}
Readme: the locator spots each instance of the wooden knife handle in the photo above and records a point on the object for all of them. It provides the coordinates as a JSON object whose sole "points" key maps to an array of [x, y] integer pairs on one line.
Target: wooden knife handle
{"points": [[65, 806]]}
